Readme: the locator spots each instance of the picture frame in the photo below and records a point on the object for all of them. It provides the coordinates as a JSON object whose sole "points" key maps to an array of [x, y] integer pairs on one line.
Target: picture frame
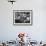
{"points": [[22, 17]]}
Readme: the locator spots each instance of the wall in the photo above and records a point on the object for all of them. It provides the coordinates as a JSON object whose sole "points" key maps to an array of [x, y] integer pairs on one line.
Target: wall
{"points": [[37, 31]]}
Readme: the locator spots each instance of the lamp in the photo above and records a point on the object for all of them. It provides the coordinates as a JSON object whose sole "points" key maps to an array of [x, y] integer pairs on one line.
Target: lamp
{"points": [[12, 1]]}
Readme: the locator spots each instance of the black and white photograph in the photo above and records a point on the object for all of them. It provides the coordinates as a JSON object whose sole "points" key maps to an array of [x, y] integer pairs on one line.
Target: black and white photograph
{"points": [[22, 17]]}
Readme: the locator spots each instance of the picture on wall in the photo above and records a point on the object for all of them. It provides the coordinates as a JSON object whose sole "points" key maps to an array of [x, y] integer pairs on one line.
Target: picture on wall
{"points": [[22, 17]]}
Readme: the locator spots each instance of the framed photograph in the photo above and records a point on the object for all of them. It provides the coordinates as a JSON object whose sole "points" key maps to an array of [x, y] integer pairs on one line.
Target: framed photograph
{"points": [[22, 17]]}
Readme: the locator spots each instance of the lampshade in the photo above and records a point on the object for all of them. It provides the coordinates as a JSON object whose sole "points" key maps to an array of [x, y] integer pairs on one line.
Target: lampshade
{"points": [[12, 1]]}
